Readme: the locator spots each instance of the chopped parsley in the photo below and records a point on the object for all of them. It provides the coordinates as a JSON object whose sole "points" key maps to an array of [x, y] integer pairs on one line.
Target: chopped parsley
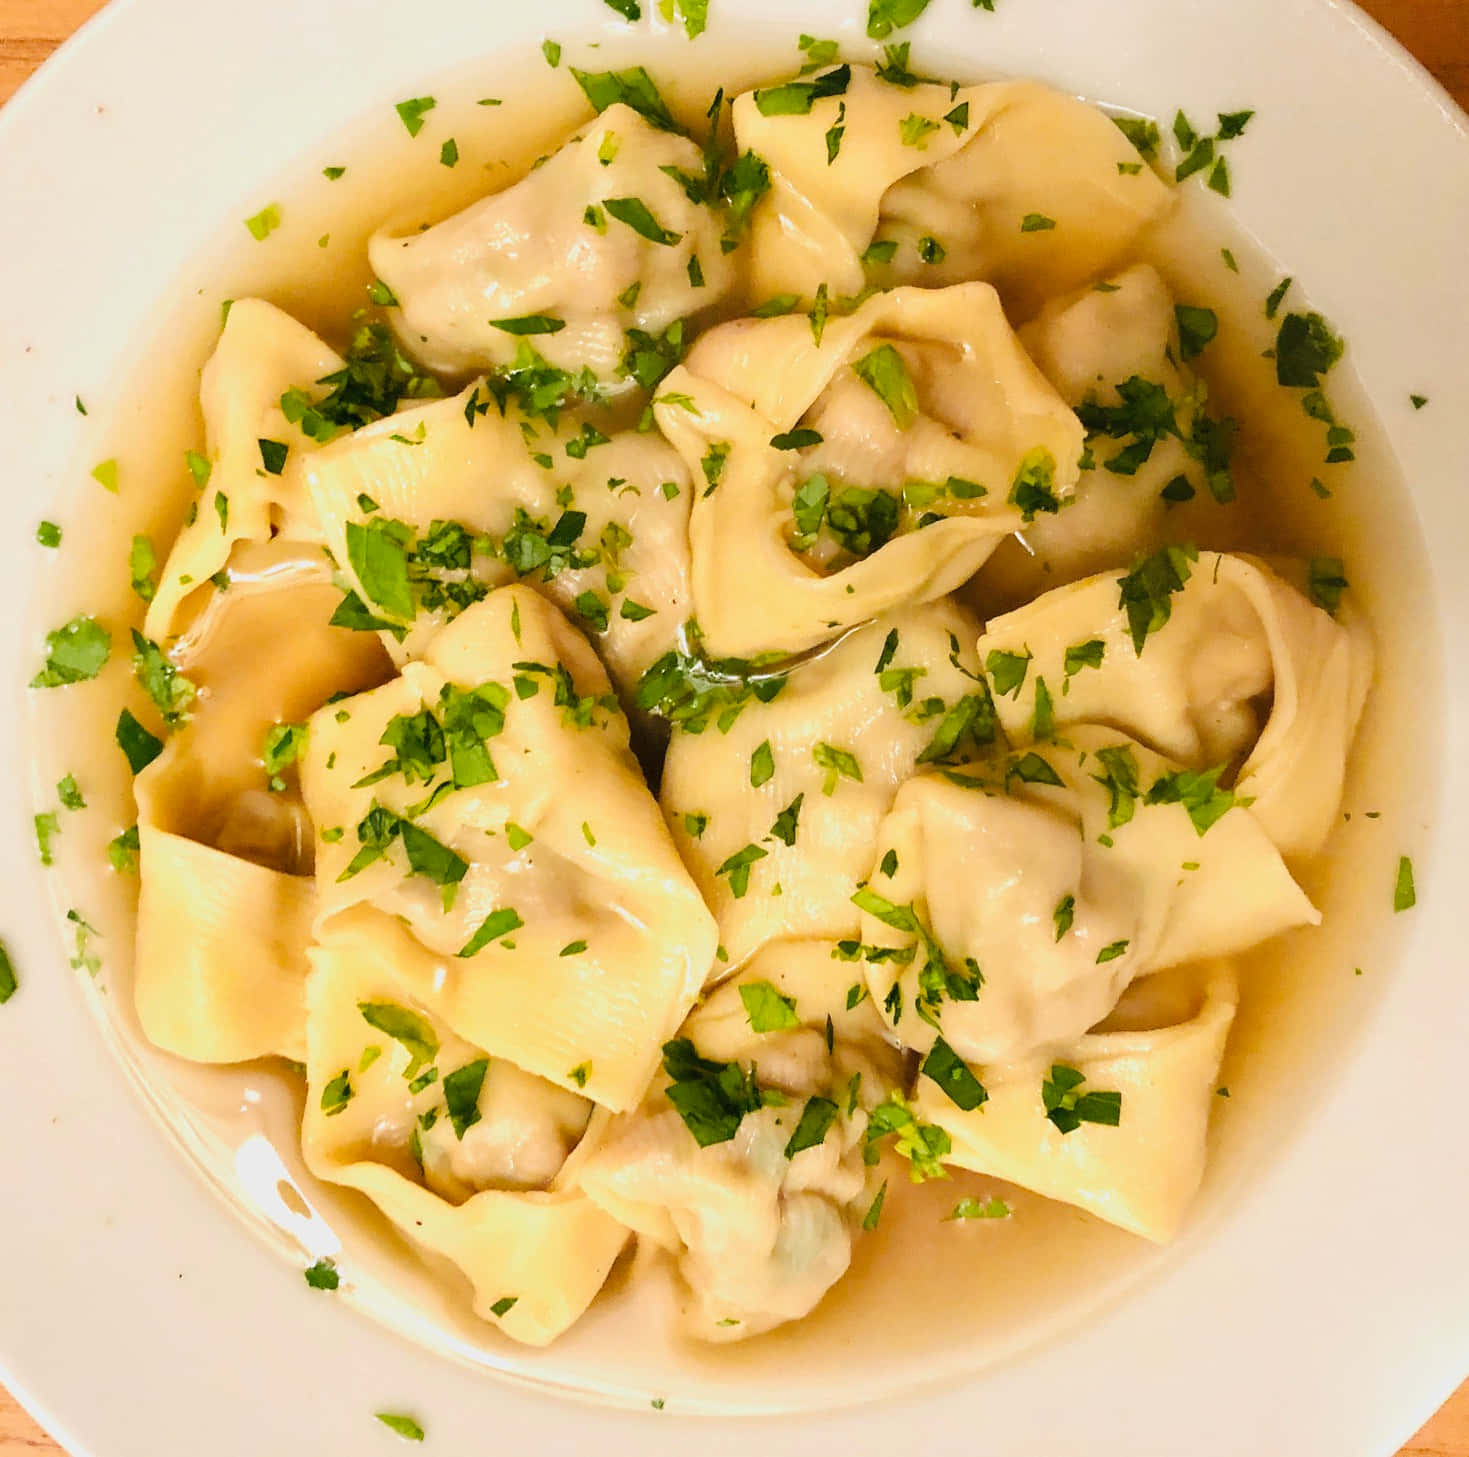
{"points": [[1145, 593], [1036, 222], [48, 826], [1196, 329], [122, 851], [139, 746], [923, 1145], [811, 1129], [915, 130], [711, 1097], [884, 372], [1068, 1107], [1033, 489], [971, 1208], [1064, 915], [838, 763], [737, 868], [143, 566], [1081, 655], [337, 1094], [75, 653], [413, 1032], [632, 87], [265, 222], [1197, 790], [170, 691], [787, 821], [953, 1075], [1404, 895], [1007, 671], [70, 794], [762, 765], [404, 1426], [462, 1089], [412, 112], [8, 982], [691, 691], [633, 211], [1305, 348], [48, 533], [284, 745], [886, 16], [1326, 581], [1120, 779], [1142, 132], [767, 1009], [796, 98], [496, 925], [323, 1275]]}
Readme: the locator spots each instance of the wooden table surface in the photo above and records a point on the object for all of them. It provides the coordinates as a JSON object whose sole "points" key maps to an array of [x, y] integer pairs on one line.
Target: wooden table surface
{"points": [[1436, 31]]}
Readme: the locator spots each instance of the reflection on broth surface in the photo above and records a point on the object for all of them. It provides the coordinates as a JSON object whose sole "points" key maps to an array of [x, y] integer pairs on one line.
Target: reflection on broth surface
{"points": [[424, 981]]}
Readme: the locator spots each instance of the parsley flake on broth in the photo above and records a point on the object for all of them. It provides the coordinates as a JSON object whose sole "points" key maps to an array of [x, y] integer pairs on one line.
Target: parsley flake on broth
{"points": [[563, 774]]}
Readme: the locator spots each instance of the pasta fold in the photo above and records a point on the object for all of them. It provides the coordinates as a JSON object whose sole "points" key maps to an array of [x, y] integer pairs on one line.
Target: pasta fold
{"points": [[473, 1161], [553, 247], [1242, 670], [781, 855], [487, 798], [262, 353], [1075, 885], [926, 435], [761, 1220], [227, 901], [465, 498], [1141, 1174]]}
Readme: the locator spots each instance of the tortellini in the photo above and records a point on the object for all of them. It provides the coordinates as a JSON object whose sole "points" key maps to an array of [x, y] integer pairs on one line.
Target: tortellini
{"points": [[1086, 864], [1109, 351], [486, 798], [424, 511], [1013, 183], [227, 902], [1241, 667], [777, 814], [243, 496], [598, 240], [875, 467], [470, 1158], [761, 1215], [1140, 1171]]}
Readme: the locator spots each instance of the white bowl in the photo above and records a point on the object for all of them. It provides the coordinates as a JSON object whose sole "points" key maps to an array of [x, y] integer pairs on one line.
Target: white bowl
{"points": [[1326, 1311]]}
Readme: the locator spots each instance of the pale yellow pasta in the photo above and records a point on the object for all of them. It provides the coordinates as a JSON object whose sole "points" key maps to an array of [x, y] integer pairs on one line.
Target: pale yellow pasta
{"points": [[531, 250], [1015, 183], [227, 899], [563, 837], [836, 719], [760, 1234], [1245, 671], [486, 1182], [1071, 890], [976, 411], [262, 353], [1141, 1174], [624, 573]]}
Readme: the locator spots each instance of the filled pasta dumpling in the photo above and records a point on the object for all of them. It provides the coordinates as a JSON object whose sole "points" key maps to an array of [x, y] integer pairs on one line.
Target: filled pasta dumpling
{"points": [[777, 811], [1086, 865], [746, 1159], [1212, 659], [427, 510], [486, 797], [874, 462], [225, 848], [598, 241], [470, 1158]]}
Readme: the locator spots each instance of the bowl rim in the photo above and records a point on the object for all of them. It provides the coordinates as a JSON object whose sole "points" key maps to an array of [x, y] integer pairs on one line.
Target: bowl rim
{"points": [[1317, 1381]]}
